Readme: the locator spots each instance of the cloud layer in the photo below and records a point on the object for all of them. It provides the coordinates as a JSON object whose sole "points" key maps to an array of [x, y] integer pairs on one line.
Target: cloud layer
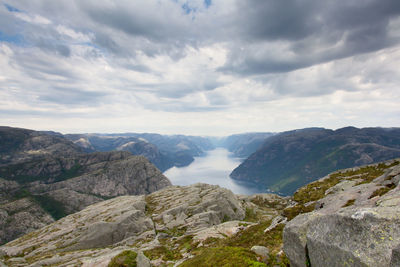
{"points": [[198, 67]]}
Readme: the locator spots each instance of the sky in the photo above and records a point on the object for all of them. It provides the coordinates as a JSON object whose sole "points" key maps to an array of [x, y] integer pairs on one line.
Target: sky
{"points": [[200, 67]]}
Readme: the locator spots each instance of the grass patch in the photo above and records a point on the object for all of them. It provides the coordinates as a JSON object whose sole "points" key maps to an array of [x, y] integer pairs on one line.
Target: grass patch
{"points": [[175, 231], [316, 190], [224, 257], [381, 191], [251, 215], [126, 258], [273, 203], [292, 212], [164, 253], [349, 202]]}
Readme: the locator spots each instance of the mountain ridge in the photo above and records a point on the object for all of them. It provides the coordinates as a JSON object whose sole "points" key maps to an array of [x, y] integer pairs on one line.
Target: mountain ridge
{"points": [[291, 159]]}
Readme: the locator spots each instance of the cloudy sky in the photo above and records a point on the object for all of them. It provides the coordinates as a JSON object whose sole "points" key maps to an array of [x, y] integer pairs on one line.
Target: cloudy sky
{"points": [[203, 67]]}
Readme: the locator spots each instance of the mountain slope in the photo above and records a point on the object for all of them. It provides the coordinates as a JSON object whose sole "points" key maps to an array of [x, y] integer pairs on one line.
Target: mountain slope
{"points": [[164, 151], [289, 160], [243, 145], [45, 177]]}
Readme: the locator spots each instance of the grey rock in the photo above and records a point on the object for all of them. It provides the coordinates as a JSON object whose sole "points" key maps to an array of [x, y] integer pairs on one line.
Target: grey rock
{"points": [[142, 260], [73, 200], [261, 251], [20, 217], [295, 239], [395, 260], [93, 236], [195, 207], [275, 222], [133, 175], [366, 233]]}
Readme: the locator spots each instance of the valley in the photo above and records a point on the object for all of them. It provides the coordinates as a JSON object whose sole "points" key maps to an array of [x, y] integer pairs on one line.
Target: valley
{"points": [[89, 199], [213, 168]]}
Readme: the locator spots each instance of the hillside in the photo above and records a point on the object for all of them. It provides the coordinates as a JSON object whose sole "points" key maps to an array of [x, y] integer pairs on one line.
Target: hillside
{"points": [[243, 145], [44, 177], [164, 151], [204, 225], [292, 159]]}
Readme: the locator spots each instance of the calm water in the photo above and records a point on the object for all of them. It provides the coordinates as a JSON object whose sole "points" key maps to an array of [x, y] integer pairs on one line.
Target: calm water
{"points": [[214, 168]]}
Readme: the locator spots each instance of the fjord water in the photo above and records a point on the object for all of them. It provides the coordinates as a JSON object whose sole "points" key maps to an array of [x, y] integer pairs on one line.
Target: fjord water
{"points": [[213, 168]]}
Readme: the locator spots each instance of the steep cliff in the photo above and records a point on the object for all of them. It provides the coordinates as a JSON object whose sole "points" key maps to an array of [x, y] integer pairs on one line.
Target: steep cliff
{"points": [[44, 177]]}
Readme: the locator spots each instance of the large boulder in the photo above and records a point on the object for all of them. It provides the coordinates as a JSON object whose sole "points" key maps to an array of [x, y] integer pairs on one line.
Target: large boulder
{"points": [[356, 224]]}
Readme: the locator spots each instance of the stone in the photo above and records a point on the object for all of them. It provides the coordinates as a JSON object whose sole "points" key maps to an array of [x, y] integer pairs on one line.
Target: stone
{"points": [[395, 260], [364, 233], [195, 207], [275, 222], [261, 251], [142, 260]]}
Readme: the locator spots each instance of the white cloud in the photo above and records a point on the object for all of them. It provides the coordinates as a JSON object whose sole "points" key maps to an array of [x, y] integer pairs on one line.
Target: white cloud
{"points": [[141, 66]]}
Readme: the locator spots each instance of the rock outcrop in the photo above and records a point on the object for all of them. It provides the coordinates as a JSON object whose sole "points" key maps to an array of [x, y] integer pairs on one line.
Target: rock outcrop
{"points": [[101, 231], [355, 223], [45, 177]]}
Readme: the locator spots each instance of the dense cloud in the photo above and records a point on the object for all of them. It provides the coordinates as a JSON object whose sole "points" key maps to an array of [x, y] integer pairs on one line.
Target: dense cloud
{"points": [[235, 61]]}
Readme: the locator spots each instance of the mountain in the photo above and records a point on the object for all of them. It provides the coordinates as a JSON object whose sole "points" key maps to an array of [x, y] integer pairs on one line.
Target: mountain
{"points": [[136, 146], [45, 176], [19, 145], [205, 225], [164, 151], [291, 159], [243, 145]]}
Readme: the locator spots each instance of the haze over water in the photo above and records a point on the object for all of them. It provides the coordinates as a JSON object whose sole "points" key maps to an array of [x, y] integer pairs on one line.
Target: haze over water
{"points": [[213, 168]]}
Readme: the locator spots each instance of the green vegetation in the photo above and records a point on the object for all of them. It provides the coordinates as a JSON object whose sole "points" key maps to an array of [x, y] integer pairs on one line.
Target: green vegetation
{"points": [[164, 252], [292, 212], [21, 172], [126, 258], [66, 174], [316, 190], [383, 190], [55, 208], [263, 202], [349, 202], [175, 231], [224, 256], [251, 216]]}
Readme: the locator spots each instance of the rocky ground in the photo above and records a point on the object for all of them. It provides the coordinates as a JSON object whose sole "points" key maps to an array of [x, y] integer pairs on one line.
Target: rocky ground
{"points": [[348, 218]]}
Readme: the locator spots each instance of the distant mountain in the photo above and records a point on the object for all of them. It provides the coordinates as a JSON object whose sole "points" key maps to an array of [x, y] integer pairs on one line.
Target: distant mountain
{"points": [[164, 151], [291, 159], [19, 145], [44, 176], [243, 145]]}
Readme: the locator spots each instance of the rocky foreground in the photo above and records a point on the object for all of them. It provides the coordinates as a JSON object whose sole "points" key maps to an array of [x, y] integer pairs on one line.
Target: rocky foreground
{"points": [[348, 218]]}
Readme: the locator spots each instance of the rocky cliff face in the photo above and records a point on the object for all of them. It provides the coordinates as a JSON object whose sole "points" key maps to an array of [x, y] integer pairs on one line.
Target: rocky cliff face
{"points": [[356, 219], [292, 159], [45, 177]]}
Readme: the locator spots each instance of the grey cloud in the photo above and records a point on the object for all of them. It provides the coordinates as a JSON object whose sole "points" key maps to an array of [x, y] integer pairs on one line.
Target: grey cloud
{"points": [[336, 29], [263, 38], [71, 96]]}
